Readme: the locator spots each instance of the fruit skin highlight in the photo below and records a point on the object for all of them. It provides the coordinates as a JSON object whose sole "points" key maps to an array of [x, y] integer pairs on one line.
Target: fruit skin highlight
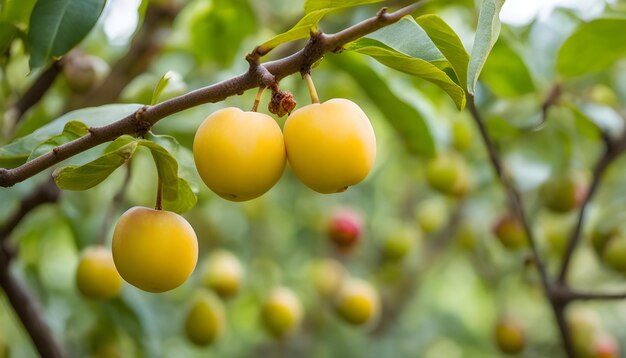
{"points": [[239, 155], [330, 146], [96, 276], [154, 250]]}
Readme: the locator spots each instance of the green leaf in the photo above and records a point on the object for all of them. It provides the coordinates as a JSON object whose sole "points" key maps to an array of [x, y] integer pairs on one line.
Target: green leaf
{"points": [[408, 122], [56, 26], [486, 36], [313, 5], [7, 33], [93, 173], [301, 30], [448, 43], [412, 66], [18, 151], [593, 47], [164, 81], [605, 118], [17, 11], [218, 28], [408, 38], [177, 193], [506, 73], [71, 131]]}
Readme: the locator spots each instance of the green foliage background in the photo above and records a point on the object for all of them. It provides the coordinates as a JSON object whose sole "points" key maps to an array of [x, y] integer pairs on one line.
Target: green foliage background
{"points": [[460, 291]]}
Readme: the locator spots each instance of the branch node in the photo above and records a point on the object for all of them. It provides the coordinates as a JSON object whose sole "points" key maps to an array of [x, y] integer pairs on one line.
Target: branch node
{"points": [[281, 103], [381, 15], [7, 178], [55, 150], [141, 126]]}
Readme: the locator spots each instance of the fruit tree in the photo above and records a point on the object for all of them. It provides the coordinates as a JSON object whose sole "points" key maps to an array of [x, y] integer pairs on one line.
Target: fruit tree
{"points": [[315, 178]]}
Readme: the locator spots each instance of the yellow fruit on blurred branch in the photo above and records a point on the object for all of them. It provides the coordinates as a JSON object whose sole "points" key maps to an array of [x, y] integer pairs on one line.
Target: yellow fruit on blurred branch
{"points": [[154, 250], [96, 276], [331, 146], [239, 155]]}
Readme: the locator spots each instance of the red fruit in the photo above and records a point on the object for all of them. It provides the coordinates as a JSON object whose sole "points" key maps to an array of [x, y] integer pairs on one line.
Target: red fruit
{"points": [[510, 232], [605, 346], [345, 229]]}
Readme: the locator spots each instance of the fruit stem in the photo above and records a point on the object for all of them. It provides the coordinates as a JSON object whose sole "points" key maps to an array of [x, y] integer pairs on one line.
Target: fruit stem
{"points": [[257, 99], [159, 197], [311, 86]]}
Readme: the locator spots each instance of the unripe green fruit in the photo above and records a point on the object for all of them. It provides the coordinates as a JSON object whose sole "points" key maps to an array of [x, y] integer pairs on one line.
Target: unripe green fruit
{"points": [[462, 135], [603, 94], [584, 325], [614, 255], [223, 273], [358, 302], [327, 276], [431, 215], [510, 232], [205, 320], [282, 312], [555, 230], [80, 73], [398, 243], [448, 174], [466, 237], [510, 336], [601, 235], [560, 194]]}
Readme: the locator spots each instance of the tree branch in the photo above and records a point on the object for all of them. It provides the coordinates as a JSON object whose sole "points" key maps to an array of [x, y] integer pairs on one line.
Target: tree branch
{"points": [[551, 291], [588, 296], [613, 150], [26, 306], [136, 123], [34, 93], [515, 200]]}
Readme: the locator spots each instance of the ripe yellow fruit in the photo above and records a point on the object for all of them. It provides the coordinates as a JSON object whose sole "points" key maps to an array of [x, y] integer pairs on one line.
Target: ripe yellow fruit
{"points": [[510, 336], [205, 319], [239, 155], [223, 273], [96, 276], [330, 146], [358, 302], [282, 312], [154, 250], [511, 233]]}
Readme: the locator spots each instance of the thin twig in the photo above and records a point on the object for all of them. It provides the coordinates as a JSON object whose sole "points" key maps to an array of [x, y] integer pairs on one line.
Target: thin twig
{"points": [[558, 306], [512, 193], [136, 122], [612, 151], [33, 94], [26, 306], [589, 296]]}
